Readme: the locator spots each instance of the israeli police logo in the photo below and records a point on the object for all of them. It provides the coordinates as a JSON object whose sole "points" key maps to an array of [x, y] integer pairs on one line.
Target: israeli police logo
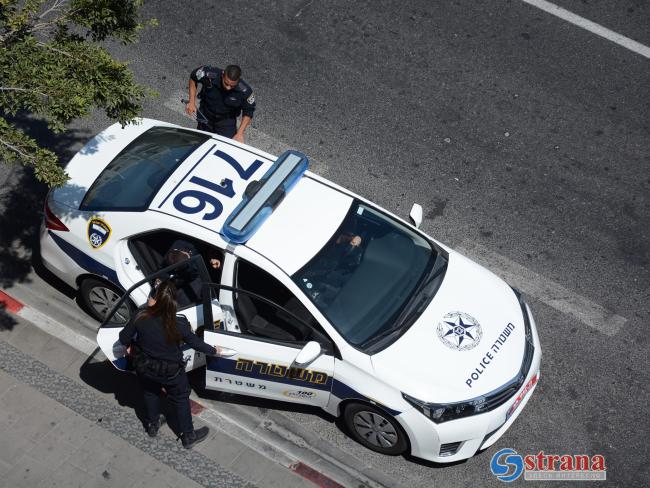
{"points": [[459, 331], [98, 232]]}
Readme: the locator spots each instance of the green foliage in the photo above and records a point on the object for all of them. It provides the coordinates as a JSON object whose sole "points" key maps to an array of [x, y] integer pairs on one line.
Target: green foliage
{"points": [[52, 65]]}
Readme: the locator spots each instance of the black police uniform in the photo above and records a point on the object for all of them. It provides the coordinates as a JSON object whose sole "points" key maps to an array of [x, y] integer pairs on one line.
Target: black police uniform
{"points": [[219, 106], [149, 335], [187, 280]]}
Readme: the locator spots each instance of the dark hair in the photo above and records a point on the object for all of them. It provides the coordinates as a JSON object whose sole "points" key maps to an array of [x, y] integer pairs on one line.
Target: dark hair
{"points": [[232, 72], [176, 256], [165, 308]]}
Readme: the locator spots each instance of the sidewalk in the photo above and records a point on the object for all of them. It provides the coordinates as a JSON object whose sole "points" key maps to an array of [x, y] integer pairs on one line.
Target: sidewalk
{"points": [[69, 420]]}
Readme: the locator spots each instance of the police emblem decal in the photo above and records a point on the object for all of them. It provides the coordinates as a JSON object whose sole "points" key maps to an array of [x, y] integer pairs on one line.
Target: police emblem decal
{"points": [[98, 232], [459, 331]]}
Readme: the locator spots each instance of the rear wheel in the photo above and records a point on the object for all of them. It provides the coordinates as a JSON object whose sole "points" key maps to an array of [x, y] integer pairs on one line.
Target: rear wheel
{"points": [[375, 429], [100, 297]]}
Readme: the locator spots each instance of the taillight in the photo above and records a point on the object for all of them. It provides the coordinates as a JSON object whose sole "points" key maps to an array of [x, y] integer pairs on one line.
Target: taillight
{"points": [[52, 221]]}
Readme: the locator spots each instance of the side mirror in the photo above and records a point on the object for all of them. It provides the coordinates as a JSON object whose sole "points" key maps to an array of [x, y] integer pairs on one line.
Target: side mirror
{"points": [[416, 215], [308, 354]]}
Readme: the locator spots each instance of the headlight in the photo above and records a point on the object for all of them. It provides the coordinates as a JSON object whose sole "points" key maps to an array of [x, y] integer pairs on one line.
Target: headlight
{"points": [[443, 412]]}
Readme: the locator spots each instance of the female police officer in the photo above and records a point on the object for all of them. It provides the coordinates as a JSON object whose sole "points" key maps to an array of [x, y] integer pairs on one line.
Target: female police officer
{"points": [[155, 335]]}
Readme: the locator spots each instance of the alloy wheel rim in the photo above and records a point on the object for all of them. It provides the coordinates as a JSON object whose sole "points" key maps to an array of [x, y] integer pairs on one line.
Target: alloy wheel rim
{"points": [[102, 299], [375, 429]]}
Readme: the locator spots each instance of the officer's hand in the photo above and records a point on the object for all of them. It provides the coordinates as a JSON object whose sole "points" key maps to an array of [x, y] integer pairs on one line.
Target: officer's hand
{"points": [[190, 108], [215, 263], [239, 137]]}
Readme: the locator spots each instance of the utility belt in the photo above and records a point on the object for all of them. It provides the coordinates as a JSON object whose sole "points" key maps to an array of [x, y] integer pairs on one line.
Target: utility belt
{"points": [[150, 366], [219, 120]]}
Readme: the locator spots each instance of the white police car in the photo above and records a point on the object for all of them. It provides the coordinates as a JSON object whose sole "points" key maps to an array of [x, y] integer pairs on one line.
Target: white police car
{"points": [[347, 306]]}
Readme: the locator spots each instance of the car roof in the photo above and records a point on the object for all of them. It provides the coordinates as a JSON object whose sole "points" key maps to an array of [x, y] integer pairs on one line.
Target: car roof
{"points": [[296, 230], [301, 225]]}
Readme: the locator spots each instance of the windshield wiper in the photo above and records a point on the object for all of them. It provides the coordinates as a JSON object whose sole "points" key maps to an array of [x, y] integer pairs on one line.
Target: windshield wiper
{"points": [[414, 305], [439, 267]]}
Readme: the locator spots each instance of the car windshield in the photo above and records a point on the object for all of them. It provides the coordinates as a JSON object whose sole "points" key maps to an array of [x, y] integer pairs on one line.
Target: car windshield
{"points": [[133, 178], [366, 274]]}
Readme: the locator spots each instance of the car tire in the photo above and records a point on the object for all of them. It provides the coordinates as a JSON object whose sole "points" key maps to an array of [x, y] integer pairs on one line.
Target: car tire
{"points": [[375, 429], [99, 296]]}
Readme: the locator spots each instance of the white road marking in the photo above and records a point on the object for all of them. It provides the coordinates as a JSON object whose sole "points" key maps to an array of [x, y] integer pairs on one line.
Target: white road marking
{"points": [[545, 290], [254, 137], [590, 26], [58, 330]]}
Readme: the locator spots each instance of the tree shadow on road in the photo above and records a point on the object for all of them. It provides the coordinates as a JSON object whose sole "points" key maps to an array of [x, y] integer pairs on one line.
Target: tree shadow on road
{"points": [[21, 204], [7, 322]]}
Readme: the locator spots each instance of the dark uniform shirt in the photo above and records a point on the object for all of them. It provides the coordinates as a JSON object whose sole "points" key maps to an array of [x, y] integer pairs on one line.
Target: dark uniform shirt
{"points": [[151, 338], [218, 103], [186, 278]]}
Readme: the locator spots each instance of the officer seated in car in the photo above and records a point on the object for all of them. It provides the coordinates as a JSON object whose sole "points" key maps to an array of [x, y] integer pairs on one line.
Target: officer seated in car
{"points": [[186, 278]]}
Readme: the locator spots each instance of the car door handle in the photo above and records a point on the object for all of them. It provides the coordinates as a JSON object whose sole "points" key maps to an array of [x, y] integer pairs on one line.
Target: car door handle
{"points": [[224, 352]]}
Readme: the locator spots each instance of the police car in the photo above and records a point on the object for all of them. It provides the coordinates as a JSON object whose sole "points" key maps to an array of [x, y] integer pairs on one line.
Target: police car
{"points": [[322, 297]]}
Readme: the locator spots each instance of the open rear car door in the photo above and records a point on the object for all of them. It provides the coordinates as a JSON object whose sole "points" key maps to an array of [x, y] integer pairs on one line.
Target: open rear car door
{"points": [[109, 330]]}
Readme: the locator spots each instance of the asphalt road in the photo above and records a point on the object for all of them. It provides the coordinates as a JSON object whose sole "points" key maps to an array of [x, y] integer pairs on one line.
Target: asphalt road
{"points": [[522, 136]]}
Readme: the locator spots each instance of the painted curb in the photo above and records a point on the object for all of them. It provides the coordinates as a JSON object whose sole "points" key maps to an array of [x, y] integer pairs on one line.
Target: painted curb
{"points": [[85, 345]]}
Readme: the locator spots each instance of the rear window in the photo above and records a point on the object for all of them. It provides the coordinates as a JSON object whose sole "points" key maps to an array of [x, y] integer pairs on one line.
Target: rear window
{"points": [[133, 178]]}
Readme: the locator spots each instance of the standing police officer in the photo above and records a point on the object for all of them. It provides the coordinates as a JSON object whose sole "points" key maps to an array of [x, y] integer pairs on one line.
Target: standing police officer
{"points": [[224, 96], [156, 334]]}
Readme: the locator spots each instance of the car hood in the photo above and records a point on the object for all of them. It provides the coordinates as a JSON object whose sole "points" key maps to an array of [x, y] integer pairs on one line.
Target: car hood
{"points": [[469, 341]]}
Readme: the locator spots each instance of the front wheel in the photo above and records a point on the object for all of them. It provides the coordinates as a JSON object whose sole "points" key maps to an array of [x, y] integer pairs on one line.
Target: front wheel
{"points": [[99, 298], [375, 429]]}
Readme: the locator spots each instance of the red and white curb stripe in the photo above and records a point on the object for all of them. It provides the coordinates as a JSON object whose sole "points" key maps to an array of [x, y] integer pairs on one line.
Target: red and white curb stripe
{"points": [[47, 324], [87, 346]]}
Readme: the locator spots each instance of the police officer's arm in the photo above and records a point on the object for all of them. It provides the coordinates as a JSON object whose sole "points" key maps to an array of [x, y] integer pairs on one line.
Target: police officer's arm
{"points": [[245, 122], [195, 77], [190, 108], [127, 333], [192, 339], [248, 107]]}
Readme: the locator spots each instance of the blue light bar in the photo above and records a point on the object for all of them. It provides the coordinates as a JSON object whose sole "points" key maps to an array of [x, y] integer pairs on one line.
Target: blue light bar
{"points": [[254, 209]]}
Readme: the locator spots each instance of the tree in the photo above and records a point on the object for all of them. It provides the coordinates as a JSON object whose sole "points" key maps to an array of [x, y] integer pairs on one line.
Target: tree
{"points": [[53, 65]]}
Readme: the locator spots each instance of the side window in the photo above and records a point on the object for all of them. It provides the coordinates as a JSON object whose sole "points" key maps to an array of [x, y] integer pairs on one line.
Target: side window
{"points": [[262, 319], [149, 251]]}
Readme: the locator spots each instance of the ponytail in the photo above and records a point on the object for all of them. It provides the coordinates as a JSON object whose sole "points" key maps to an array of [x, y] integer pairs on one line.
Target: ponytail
{"points": [[165, 308]]}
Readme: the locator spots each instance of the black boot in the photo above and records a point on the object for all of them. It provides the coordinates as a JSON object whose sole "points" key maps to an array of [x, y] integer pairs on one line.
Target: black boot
{"points": [[152, 427], [189, 439]]}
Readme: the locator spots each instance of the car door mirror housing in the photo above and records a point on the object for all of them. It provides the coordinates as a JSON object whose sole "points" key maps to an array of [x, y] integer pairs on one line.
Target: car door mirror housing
{"points": [[307, 354], [416, 214]]}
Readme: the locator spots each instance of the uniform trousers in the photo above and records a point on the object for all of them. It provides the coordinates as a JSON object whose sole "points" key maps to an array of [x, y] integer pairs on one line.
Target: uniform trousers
{"points": [[222, 127], [178, 394]]}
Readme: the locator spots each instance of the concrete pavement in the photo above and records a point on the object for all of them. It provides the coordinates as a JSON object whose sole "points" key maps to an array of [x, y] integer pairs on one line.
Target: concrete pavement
{"points": [[67, 420]]}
